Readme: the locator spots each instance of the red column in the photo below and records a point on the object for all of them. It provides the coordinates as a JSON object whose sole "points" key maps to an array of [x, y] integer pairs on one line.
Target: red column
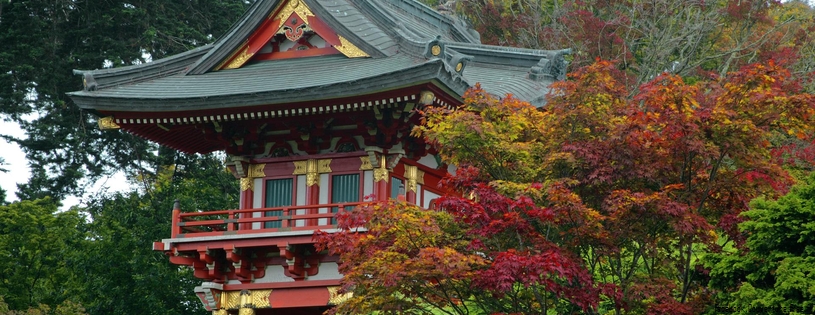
{"points": [[411, 196], [247, 199], [313, 198], [382, 190]]}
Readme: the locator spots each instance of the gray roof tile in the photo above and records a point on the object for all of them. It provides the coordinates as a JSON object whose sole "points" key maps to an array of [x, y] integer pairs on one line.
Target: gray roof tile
{"points": [[395, 32]]}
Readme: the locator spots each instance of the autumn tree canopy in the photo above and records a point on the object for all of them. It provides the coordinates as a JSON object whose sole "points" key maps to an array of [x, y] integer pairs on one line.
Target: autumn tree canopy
{"points": [[598, 202]]}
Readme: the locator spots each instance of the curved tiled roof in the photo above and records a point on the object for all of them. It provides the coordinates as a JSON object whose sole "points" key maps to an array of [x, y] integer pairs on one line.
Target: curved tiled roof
{"points": [[396, 34]]}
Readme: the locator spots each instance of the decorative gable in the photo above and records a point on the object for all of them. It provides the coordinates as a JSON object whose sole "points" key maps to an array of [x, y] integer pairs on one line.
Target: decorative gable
{"points": [[291, 31]]}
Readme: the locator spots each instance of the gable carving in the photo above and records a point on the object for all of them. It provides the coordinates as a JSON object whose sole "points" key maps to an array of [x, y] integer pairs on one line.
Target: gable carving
{"points": [[291, 31]]}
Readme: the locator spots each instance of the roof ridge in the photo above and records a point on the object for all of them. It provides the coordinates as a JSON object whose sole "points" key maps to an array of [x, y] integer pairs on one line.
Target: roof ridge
{"points": [[458, 28]]}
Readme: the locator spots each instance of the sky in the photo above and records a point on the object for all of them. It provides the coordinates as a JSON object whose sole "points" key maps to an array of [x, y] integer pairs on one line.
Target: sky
{"points": [[15, 163]]}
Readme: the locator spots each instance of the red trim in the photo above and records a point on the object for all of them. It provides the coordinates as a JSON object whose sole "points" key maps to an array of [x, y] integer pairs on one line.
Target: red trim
{"points": [[253, 242], [325, 32], [282, 285], [313, 52], [271, 160], [299, 297]]}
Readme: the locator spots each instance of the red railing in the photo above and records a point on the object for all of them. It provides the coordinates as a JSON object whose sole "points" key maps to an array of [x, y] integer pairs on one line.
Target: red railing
{"points": [[248, 221]]}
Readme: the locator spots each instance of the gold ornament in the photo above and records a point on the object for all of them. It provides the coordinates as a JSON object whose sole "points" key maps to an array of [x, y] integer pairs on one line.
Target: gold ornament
{"points": [[350, 50], [435, 50], [108, 123]]}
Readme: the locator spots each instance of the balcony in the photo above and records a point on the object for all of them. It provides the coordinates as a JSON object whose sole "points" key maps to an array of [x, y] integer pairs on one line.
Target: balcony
{"points": [[256, 221]]}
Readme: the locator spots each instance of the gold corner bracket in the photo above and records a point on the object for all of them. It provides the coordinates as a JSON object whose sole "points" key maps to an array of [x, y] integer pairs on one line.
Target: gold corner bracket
{"points": [[108, 123], [349, 50]]}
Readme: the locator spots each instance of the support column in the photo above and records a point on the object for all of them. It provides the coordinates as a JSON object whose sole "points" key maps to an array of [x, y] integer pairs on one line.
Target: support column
{"points": [[247, 196], [414, 177], [381, 178]]}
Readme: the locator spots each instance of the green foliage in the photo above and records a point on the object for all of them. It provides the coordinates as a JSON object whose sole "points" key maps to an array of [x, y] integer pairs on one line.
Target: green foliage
{"points": [[775, 273], [35, 241], [120, 272]]}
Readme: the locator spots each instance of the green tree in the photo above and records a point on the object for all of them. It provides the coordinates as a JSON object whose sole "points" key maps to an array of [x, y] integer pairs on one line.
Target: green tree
{"points": [[44, 40], [35, 239], [119, 272], [775, 271]]}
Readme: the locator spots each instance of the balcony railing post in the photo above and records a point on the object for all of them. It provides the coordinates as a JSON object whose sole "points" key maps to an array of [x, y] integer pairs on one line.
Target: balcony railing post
{"points": [[176, 228], [283, 221], [230, 225]]}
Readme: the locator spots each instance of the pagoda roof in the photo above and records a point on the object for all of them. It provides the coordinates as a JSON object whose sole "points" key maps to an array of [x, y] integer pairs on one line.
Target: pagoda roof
{"points": [[384, 45]]}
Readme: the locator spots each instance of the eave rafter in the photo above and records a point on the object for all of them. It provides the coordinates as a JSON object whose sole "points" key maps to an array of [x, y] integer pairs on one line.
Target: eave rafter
{"points": [[251, 131]]}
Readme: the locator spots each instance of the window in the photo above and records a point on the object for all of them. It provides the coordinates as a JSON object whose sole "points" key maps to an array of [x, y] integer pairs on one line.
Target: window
{"points": [[278, 194], [397, 188], [344, 188]]}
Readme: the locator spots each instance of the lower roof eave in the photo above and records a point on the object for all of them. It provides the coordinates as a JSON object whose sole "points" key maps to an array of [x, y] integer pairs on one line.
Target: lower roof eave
{"points": [[433, 70]]}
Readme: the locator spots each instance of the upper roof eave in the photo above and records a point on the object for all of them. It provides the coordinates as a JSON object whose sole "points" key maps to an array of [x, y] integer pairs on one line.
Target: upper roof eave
{"points": [[521, 57], [104, 78], [457, 29]]}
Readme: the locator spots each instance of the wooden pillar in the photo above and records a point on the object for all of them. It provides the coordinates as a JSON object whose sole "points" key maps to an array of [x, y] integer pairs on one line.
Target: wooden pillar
{"points": [[381, 178], [175, 230], [247, 197], [414, 177]]}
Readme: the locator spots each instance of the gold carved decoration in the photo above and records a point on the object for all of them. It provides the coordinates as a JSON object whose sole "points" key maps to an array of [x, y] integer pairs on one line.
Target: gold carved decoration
{"points": [[312, 179], [256, 170], [435, 50], [246, 299], [108, 123], [233, 300], [312, 169], [230, 300], [300, 167], [260, 298], [414, 176], [426, 98], [459, 66], [350, 50], [324, 166], [366, 164], [294, 6], [220, 312], [247, 183], [334, 296], [381, 173], [246, 306], [240, 60]]}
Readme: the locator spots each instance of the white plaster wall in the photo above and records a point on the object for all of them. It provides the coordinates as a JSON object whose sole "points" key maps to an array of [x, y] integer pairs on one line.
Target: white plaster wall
{"points": [[301, 198], [328, 271], [367, 183], [427, 197], [257, 201], [274, 273], [324, 183], [429, 161]]}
